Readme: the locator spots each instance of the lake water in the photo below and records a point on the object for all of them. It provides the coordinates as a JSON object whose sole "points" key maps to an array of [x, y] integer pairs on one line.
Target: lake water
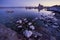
{"points": [[19, 13], [46, 18]]}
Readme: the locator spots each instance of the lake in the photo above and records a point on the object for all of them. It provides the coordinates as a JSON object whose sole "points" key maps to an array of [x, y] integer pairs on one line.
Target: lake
{"points": [[5, 16], [46, 19]]}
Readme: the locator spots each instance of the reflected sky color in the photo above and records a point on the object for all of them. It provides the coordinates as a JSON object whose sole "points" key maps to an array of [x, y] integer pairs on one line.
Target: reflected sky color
{"points": [[9, 3]]}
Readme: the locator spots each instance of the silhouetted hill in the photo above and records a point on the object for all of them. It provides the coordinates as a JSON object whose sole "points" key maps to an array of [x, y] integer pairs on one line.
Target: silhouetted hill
{"points": [[55, 8]]}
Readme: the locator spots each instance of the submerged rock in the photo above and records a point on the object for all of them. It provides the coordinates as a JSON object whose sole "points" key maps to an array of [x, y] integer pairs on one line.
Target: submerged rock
{"points": [[40, 27], [32, 27], [29, 23], [27, 33], [19, 21], [20, 26], [37, 34]]}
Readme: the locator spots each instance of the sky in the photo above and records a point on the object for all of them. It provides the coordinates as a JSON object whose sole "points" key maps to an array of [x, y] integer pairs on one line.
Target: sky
{"points": [[12, 3]]}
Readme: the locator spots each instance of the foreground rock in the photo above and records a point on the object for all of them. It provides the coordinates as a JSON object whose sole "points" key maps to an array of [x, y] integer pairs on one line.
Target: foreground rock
{"points": [[7, 34]]}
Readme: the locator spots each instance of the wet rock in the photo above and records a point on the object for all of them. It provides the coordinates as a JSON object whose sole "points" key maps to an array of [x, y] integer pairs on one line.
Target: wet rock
{"points": [[19, 21], [55, 26], [32, 27], [53, 38], [20, 26], [27, 33], [7, 33], [37, 34], [25, 19], [29, 23]]}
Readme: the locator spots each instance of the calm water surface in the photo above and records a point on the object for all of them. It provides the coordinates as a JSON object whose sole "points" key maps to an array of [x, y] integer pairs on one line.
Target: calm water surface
{"points": [[8, 18], [19, 13]]}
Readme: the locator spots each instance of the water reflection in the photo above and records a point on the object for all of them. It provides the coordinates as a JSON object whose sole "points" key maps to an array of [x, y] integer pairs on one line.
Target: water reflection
{"points": [[35, 9]]}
